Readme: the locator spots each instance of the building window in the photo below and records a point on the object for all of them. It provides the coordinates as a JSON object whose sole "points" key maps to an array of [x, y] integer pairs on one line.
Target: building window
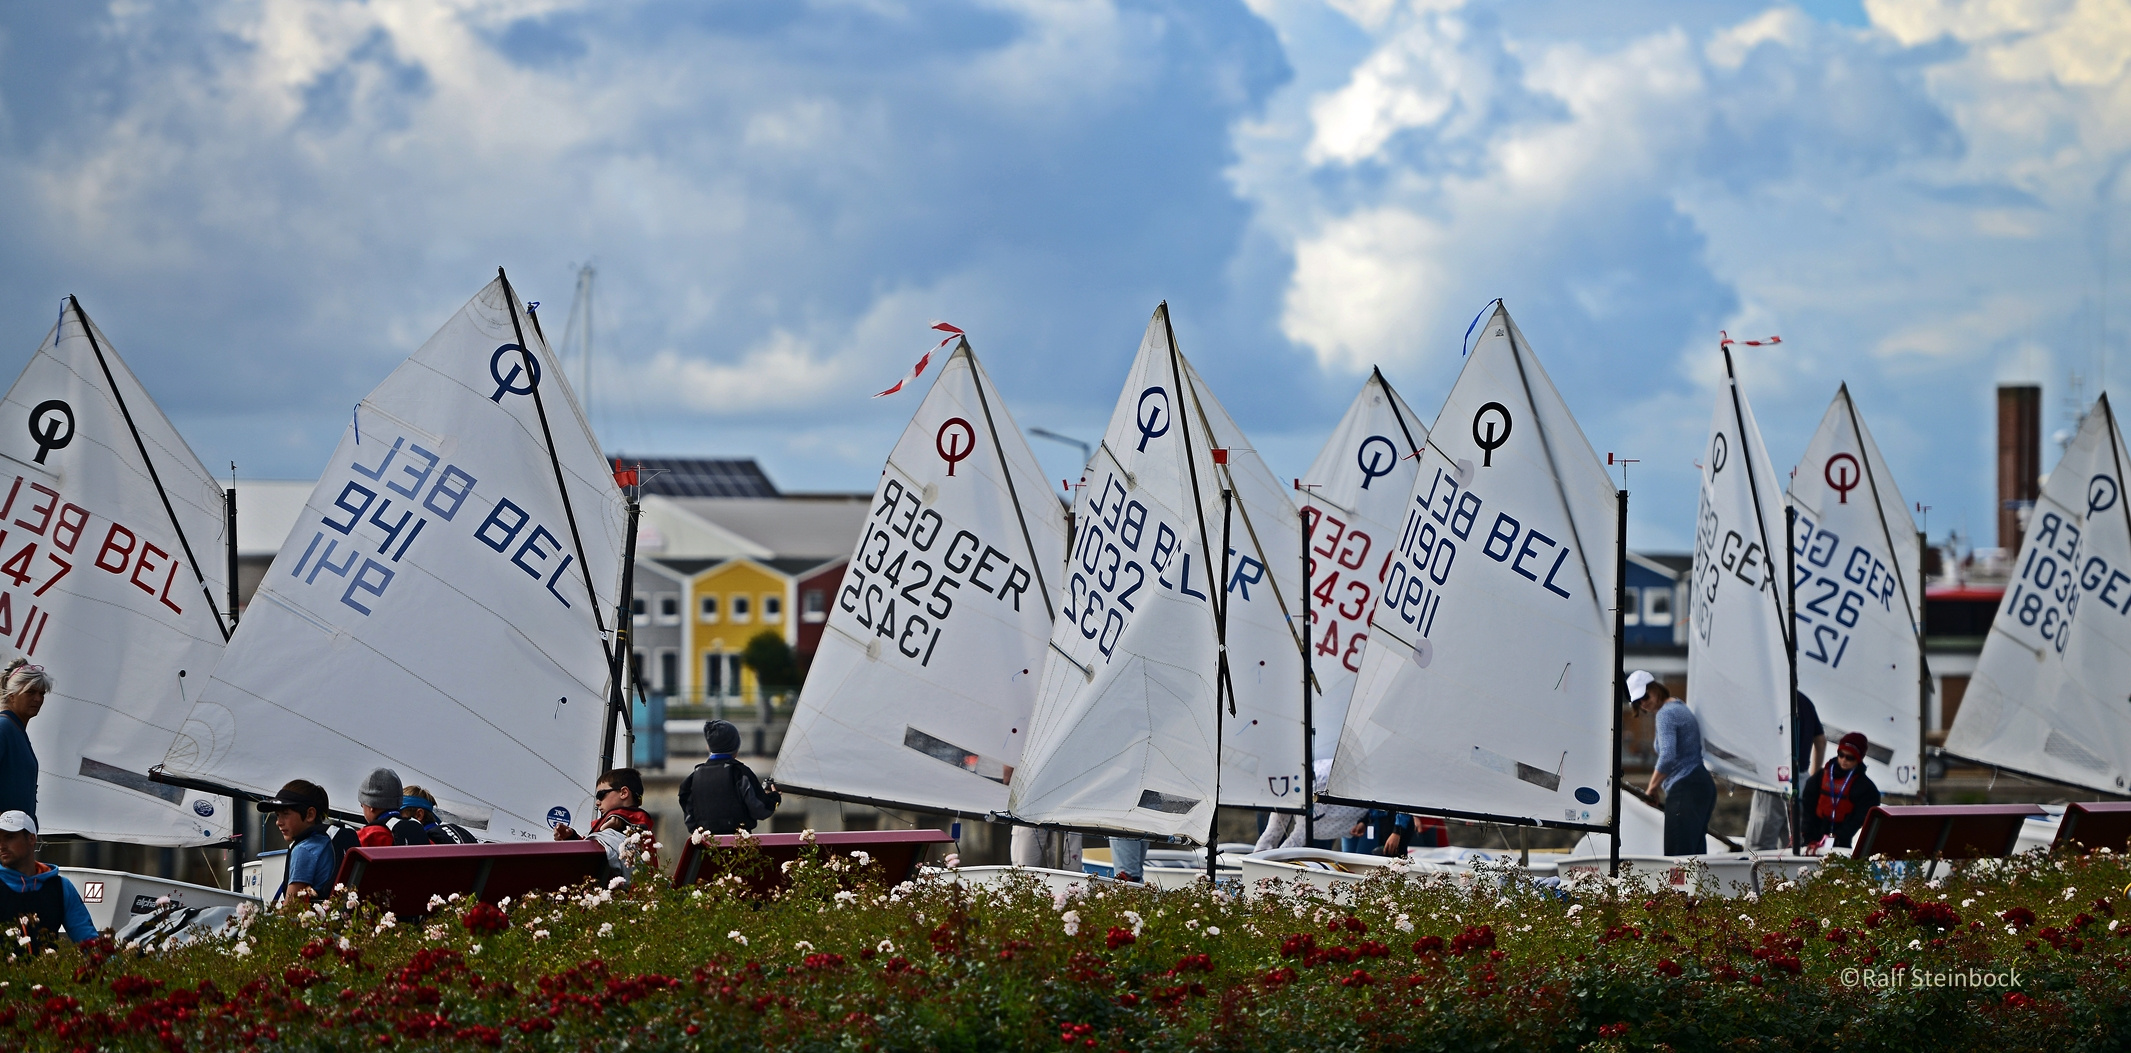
{"points": [[772, 609], [1657, 606], [669, 672], [709, 609], [721, 675], [813, 606], [637, 608], [739, 608], [1631, 606], [669, 609], [636, 668]]}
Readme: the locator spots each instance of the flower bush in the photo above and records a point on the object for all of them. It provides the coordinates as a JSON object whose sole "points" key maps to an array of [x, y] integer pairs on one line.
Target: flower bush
{"points": [[844, 960]]}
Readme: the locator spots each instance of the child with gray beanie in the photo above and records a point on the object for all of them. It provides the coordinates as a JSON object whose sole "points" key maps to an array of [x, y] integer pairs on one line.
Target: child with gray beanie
{"points": [[383, 825], [722, 795]]}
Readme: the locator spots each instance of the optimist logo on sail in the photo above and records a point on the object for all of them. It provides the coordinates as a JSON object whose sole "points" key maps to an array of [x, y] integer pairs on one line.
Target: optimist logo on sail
{"points": [[507, 383], [1153, 420], [51, 426], [1376, 458]]}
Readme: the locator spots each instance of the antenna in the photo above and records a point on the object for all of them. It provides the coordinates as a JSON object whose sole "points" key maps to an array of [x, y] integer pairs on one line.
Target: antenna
{"points": [[1087, 452], [1624, 462]]}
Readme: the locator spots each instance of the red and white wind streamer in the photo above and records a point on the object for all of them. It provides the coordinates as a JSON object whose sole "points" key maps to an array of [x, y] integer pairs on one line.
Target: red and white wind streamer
{"points": [[1724, 339], [917, 370]]}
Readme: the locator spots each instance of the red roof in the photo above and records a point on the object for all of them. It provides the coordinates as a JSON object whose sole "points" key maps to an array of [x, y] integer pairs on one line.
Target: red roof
{"points": [[1990, 593]]}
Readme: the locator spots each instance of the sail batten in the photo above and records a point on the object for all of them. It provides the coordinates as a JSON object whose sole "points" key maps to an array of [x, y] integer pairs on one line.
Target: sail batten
{"points": [[103, 505], [1487, 684], [438, 607], [2049, 695], [1130, 731], [1859, 612], [1738, 658], [921, 691]]}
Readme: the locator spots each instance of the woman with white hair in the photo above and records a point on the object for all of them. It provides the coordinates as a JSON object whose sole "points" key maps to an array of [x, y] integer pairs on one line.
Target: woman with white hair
{"points": [[22, 690]]}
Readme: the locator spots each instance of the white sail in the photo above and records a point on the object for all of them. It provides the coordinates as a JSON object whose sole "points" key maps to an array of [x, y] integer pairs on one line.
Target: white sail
{"points": [[1354, 500], [2052, 691], [1738, 663], [111, 575], [921, 691], [1124, 732], [1489, 681], [1860, 607], [430, 611]]}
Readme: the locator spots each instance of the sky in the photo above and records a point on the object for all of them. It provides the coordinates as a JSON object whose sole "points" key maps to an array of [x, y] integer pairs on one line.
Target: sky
{"points": [[266, 205]]}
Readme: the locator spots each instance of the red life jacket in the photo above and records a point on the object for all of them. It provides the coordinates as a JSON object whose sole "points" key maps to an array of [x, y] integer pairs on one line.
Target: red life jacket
{"points": [[1834, 803]]}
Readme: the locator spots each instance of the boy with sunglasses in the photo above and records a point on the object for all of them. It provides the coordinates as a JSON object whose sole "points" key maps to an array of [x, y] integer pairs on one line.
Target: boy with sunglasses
{"points": [[619, 796]]}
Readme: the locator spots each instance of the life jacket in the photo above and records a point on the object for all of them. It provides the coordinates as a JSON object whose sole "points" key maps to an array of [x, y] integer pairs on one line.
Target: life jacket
{"points": [[632, 821], [403, 831], [449, 834], [46, 906], [716, 800], [1835, 804], [340, 840]]}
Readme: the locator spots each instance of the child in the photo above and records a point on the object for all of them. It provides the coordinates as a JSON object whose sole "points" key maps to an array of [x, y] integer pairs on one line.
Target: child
{"points": [[35, 891], [383, 825], [300, 814]]}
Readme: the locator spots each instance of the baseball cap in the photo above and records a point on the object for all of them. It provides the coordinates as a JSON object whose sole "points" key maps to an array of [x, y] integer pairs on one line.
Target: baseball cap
{"points": [[1639, 684], [17, 821], [295, 797]]}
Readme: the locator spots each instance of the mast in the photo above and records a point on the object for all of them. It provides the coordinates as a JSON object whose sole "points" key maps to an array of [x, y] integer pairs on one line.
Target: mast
{"points": [[1753, 486], [976, 380], [624, 624], [118, 396], [1222, 688], [1791, 818], [1923, 685], [532, 371], [1309, 677], [1220, 590], [1620, 658], [229, 532]]}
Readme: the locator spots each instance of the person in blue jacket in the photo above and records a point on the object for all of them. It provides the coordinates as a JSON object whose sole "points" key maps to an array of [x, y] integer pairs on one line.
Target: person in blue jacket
{"points": [[35, 891], [22, 690]]}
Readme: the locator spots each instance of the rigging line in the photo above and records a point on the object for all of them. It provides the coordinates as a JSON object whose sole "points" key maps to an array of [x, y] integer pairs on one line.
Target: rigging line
{"points": [[1546, 444], [1198, 503], [599, 621], [1301, 639], [1738, 413], [2116, 442], [1886, 533], [1006, 470], [1412, 447], [111, 383]]}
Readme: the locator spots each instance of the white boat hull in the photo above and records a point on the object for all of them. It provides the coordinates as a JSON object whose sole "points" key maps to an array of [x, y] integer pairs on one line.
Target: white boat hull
{"points": [[116, 897]]}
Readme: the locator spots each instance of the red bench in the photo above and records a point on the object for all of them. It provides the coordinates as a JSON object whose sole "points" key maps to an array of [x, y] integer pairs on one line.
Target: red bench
{"points": [[1935, 832], [402, 878], [896, 851], [2089, 825]]}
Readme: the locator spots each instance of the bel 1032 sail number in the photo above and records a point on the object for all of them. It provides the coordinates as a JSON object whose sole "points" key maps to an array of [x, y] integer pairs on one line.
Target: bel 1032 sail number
{"points": [[892, 590], [1832, 596], [1123, 550], [1428, 548]]}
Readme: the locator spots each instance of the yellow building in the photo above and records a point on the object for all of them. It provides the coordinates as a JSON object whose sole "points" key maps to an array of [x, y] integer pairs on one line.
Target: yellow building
{"points": [[731, 601]]}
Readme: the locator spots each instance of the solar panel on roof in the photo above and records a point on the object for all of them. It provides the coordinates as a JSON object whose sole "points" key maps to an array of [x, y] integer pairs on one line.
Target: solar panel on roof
{"points": [[702, 476]]}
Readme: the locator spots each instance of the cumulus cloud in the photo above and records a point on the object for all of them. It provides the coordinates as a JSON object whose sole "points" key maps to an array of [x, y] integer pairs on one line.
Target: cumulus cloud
{"points": [[1911, 203]]}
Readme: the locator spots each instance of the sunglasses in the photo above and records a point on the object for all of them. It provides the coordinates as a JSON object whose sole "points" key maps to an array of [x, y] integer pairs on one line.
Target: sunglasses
{"points": [[601, 795]]}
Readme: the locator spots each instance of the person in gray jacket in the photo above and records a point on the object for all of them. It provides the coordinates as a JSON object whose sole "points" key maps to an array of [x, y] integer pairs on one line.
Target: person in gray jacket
{"points": [[1690, 792], [722, 795]]}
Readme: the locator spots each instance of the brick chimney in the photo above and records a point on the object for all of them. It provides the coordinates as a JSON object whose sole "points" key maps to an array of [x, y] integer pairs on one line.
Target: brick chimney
{"points": [[2019, 459]]}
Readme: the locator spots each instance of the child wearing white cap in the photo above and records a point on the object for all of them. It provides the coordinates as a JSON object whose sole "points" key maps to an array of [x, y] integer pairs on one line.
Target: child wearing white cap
{"points": [[36, 891]]}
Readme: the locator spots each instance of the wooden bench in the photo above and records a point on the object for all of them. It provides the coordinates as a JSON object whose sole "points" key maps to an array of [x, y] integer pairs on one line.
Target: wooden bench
{"points": [[402, 878], [1935, 832], [896, 851]]}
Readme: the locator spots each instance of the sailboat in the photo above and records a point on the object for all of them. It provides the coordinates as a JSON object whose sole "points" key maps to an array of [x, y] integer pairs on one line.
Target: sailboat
{"points": [[112, 545], [1488, 686], [440, 606], [921, 693], [1353, 501], [1739, 674], [2051, 695], [1172, 681], [1855, 568]]}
